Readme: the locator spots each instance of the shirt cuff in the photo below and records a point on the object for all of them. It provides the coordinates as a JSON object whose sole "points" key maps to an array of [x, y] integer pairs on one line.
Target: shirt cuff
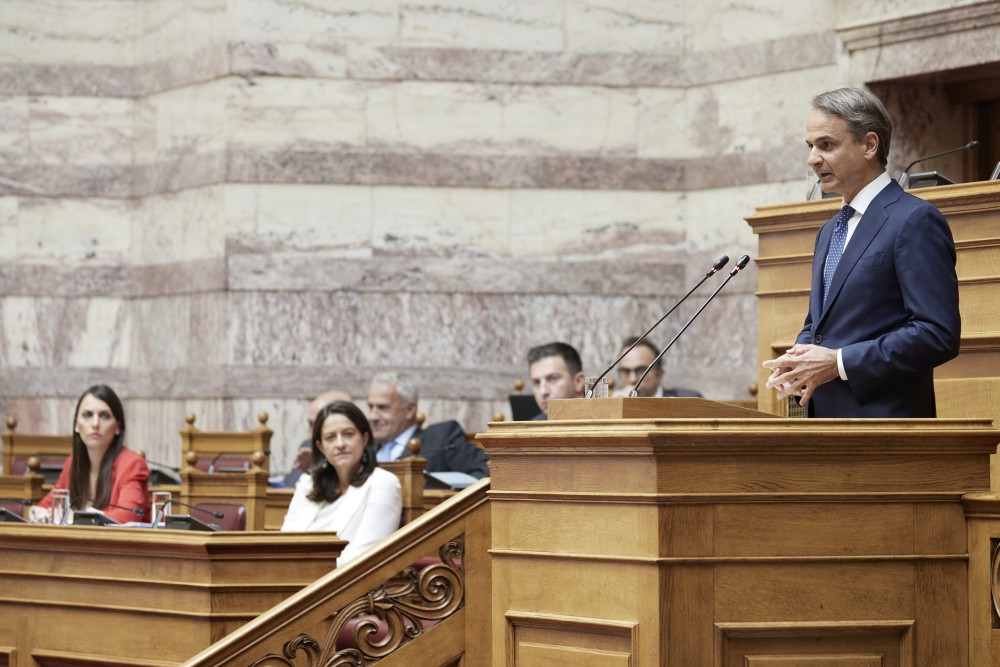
{"points": [[840, 364]]}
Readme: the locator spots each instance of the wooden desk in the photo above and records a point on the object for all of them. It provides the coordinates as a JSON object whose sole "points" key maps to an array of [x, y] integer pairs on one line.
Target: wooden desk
{"points": [[664, 532], [77, 595]]}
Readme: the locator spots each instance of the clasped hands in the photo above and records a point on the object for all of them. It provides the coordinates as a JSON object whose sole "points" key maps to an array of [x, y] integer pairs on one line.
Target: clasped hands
{"points": [[801, 370]]}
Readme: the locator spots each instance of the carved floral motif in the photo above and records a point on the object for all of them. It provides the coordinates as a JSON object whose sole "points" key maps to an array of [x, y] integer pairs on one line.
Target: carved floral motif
{"points": [[378, 623]]}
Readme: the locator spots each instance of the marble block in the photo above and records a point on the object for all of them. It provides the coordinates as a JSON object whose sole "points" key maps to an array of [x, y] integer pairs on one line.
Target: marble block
{"points": [[84, 232], [335, 219], [296, 113], [506, 24], [648, 26], [80, 131]]}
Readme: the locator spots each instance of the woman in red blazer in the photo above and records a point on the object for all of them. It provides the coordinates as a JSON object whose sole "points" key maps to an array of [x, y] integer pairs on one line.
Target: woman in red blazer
{"points": [[101, 474]]}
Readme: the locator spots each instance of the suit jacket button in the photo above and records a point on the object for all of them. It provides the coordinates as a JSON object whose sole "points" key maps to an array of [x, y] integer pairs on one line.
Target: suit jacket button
{"points": [[818, 339]]}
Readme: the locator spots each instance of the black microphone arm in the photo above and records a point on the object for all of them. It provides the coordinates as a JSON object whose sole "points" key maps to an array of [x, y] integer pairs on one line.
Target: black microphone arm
{"points": [[95, 502], [16, 500], [743, 261], [211, 466], [167, 504], [719, 263], [906, 172], [217, 515]]}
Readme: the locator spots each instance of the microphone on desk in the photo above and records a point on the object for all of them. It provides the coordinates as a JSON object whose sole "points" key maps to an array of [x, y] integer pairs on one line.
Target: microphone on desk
{"points": [[217, 515], [211, 466], [719, 263], [95, 502], [906, 172], [16, 500], [740, 265], [167, 504]]}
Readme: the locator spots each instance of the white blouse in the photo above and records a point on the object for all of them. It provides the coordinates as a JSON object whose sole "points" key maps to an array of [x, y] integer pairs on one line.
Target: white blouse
{"points": [[363, 515]]}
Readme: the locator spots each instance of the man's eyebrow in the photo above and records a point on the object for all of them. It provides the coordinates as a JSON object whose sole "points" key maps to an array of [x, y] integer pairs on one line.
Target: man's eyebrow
{"points": [[825, 137]]}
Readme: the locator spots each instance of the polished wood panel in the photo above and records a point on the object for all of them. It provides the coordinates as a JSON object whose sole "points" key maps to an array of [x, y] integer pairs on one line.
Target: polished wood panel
{"points": [[86, 595], [456, 597], [731, 541]]}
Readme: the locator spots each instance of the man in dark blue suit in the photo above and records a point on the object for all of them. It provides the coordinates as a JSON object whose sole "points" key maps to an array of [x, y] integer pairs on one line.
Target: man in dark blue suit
{"points": [[392, 405], [883, 308]]}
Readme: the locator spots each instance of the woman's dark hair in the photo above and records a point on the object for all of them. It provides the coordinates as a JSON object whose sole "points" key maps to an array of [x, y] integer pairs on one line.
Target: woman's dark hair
{"points": [[326, 484], [79, 474]]}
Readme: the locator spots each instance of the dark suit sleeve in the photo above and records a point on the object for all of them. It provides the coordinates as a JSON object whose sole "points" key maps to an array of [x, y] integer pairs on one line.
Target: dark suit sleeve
{"points": [[930, 329], [446, 448]]}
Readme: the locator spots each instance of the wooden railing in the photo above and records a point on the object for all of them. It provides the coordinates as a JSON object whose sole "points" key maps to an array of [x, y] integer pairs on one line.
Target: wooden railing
{"points": [[421, 597]]}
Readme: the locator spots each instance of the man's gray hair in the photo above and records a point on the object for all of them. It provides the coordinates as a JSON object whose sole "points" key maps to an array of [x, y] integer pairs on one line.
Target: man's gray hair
{"points": [[863, 113], [405, 386]]}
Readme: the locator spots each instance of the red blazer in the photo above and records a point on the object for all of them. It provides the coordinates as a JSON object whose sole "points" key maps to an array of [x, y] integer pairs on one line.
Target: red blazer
{"points": [[129, 487]]}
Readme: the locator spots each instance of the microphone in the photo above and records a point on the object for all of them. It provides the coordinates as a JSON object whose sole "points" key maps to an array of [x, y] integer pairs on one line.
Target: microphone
{"points": [[906, 172], [134, 510], [743, 261], [211, 466], [217, 515], [166, 507], [16, 500], [719, 263]]}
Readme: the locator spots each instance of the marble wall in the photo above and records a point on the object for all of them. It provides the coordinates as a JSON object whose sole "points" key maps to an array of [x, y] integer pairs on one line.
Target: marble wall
{"points": [[228, 206]]}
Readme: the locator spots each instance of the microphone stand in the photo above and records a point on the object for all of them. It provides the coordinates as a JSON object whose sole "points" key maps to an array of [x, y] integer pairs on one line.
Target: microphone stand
{"points": [[743, 261], [719, 263], [167, 504], [906, 172]]}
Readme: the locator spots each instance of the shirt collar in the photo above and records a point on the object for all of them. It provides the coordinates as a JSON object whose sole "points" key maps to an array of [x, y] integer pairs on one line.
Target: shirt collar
{"points": [[405, 436], [868, 193]]}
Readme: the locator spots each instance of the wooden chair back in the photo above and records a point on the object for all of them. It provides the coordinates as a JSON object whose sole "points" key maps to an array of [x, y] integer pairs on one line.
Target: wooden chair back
{"points": [[50, 450], [234, 515], [226, 451]]}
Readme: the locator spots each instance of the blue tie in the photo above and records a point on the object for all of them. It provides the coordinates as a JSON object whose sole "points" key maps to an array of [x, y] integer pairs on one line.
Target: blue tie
{"points": [[836, 251], [385, 452]]}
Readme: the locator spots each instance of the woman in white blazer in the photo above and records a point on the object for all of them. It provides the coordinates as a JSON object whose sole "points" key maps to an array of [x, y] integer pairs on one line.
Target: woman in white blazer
{"points": [[345, 490]]}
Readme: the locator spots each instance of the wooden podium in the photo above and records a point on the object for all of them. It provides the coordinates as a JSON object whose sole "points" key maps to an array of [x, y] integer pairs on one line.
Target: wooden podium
{"points": [[75, 596], [686, 533]]}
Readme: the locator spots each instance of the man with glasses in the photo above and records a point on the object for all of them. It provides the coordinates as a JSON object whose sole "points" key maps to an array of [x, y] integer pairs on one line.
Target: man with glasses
{"points": [[632, 365]]}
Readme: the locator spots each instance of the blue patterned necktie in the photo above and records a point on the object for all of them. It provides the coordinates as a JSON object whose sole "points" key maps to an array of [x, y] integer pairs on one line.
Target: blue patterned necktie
{"points": [[837, 243]]}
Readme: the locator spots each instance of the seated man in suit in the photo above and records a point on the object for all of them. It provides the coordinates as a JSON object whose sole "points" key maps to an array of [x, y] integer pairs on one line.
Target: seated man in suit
{"points": [[556, 372], [632, 366], [392, 407], [303, 456]]}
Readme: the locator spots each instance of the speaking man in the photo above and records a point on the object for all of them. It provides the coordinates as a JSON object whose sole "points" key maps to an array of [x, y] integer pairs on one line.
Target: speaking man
{"points": [[883, 307]]}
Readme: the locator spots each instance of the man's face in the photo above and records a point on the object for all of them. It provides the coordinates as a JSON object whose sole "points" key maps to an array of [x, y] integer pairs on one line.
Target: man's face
{"points": [[631, 367], [388, 414], [550, 379], [842, 164]]}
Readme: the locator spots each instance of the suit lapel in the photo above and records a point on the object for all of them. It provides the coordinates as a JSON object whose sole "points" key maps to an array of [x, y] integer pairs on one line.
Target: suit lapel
{"points": [[822, 248], [868, 227]]}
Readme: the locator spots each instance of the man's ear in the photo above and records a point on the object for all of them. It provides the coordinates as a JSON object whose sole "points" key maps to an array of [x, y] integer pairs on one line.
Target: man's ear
{"points": [[578, 382], [871, 146]]}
